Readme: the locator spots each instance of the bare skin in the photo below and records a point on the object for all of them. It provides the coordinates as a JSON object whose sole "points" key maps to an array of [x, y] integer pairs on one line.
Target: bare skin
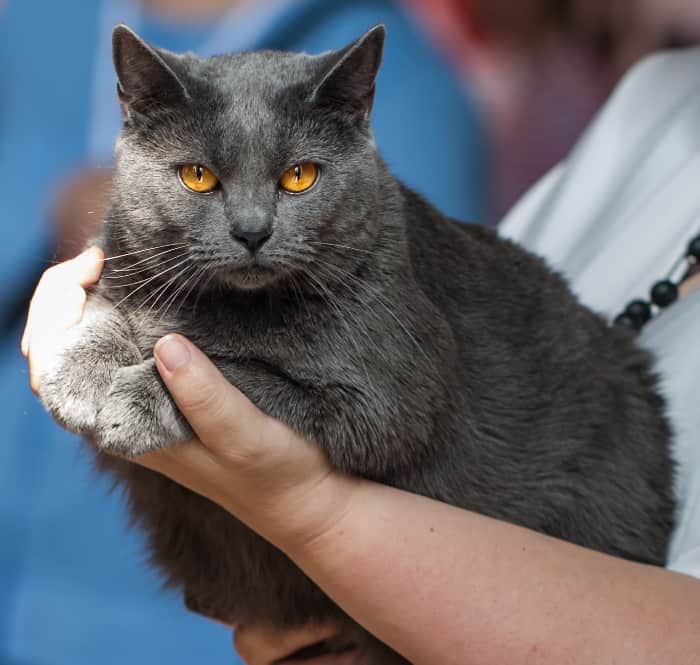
{"points": [[473, 590]]}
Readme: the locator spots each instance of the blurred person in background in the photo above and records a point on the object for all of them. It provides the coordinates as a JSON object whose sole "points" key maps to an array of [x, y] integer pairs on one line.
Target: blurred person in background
{"points": [[542, 68], [74, 585], [538, 89], [619, 34], [541, 89]]}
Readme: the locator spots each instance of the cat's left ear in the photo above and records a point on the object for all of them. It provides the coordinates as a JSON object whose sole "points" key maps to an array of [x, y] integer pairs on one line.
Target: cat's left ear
{"points": [[349, 84], [146, 79]]}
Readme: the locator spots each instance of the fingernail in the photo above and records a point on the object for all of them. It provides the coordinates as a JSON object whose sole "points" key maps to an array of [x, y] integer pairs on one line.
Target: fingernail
{"points": [[172, 352]]}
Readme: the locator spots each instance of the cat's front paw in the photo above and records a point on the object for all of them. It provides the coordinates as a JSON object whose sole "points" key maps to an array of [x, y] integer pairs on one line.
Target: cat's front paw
{"points": [[73, 390], [138, 415]]}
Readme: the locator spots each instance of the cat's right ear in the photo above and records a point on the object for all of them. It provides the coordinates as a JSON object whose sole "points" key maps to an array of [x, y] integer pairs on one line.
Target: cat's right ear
{"points": [[349, 85], [145, 81]]}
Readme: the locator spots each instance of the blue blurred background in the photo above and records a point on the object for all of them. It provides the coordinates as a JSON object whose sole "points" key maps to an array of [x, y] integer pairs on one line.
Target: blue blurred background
{"points": [[476, 98]]}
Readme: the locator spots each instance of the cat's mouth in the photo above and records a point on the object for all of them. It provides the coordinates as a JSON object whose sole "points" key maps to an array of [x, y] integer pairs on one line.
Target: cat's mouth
{"points": [[251, 275]]}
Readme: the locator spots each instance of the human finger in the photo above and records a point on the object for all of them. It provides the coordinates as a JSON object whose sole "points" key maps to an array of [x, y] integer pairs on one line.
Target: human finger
{"points": [[257, 467], [192, 465], [56, 306], [217, 411], [56, 286], [45, 335], [261, 644]]}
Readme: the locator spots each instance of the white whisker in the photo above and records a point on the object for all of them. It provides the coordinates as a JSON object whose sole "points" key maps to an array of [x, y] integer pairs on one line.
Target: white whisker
{"points": [[161, 290], [379, 297], [194, 276], [142, 270], [331, 244], [332, 301], [150, 279], [141, 251], [148, 259]]}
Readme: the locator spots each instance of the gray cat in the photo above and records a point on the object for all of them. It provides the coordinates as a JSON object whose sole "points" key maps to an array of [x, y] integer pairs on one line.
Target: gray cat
{"points": [[253, 214]]}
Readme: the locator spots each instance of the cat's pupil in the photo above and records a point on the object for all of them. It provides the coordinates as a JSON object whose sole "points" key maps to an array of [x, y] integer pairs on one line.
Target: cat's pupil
{"points": [[199, 172], [297, 172]]}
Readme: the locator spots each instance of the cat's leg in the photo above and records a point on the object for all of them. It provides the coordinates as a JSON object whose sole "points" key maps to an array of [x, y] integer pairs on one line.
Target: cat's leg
{"points": [[357, 430], [74, 386], [138, 414]]}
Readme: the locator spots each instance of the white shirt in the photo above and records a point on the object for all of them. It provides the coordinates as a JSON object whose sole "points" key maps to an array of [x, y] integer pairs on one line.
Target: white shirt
{"points": [[614, 218]]}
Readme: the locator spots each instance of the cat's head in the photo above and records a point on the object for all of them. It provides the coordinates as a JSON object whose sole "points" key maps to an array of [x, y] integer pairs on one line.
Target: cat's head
{"points": [[262, 164]]}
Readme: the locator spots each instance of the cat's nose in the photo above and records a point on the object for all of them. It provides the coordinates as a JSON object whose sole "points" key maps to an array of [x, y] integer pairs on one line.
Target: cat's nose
{"points": [[252, 238]]}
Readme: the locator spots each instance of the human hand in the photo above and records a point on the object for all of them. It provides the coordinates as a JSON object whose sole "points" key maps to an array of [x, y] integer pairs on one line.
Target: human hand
{"points": [[56, 307], [254, 466], [258, 644]]}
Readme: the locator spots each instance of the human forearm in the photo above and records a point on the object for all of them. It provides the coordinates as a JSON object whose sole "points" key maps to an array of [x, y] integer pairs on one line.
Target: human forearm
{"points": [[439, 584], [475, 590]]}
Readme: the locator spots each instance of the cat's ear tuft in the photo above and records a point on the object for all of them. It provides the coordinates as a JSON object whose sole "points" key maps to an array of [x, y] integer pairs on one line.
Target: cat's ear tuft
{"points": [[144, 79], [349, 84]]}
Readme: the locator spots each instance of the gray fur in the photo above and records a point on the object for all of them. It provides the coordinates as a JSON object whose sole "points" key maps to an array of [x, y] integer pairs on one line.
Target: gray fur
{"points": [[422, 353]]}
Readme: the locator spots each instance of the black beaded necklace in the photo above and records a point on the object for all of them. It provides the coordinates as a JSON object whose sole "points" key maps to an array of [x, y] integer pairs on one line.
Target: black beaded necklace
{"points": [[664, 292]]}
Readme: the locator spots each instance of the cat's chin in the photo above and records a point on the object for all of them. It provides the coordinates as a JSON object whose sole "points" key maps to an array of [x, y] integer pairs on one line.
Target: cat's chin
{"points": [[250, 278]]}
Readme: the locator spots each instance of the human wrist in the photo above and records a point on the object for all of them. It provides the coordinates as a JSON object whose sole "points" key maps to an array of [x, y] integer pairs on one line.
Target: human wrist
{"points": [[308, 514]]}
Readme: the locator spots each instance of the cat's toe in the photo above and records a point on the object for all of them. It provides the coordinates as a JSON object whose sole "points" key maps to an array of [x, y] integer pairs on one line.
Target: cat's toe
{"points": [[71, 409], [137, 416], [71, 396], [126, 427]]}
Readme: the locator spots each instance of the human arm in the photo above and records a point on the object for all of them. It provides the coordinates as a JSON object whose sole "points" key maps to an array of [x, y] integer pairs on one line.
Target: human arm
{"points": [[485, 591], [88, 370]]}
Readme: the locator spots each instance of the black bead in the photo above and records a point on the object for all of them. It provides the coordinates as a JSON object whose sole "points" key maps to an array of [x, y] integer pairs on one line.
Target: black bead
{"points": [[640, 311], [694, 248], [664, 293], [626, 321]]}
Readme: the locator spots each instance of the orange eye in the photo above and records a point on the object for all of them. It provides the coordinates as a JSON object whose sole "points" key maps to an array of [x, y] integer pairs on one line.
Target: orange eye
{"points": [[198, 178], [299, 178]]}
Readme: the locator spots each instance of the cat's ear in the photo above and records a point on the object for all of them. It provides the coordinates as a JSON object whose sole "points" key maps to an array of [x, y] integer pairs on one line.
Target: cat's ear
{"points": [[144, 79], [349, 84]]}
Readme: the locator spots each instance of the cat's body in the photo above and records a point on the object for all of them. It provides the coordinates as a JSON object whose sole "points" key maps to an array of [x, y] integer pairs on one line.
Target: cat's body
{"points": [[425, 354]]}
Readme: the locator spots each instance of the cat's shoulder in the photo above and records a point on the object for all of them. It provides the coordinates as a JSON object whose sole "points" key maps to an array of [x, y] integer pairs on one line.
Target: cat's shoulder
{"points": [[429, 231]]}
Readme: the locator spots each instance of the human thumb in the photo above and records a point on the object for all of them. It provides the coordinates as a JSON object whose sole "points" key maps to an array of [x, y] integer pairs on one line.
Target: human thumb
{"points": [[222, 417], [258, 468]]}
